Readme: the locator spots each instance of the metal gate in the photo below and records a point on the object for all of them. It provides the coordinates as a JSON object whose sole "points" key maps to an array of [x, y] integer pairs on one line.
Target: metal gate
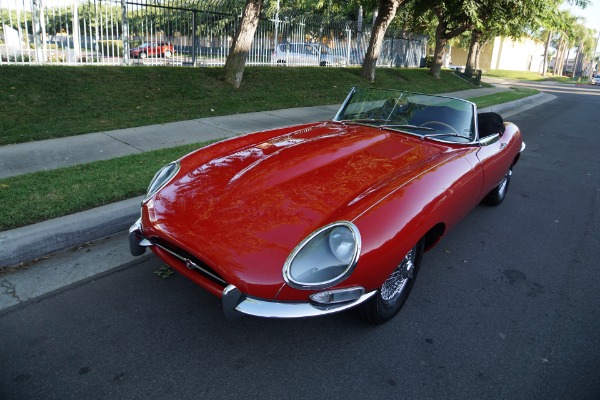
{"points": [[184, 33]]}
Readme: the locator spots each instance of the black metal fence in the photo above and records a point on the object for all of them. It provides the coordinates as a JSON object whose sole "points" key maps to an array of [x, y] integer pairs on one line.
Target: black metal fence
{"points": [[184, 32]]}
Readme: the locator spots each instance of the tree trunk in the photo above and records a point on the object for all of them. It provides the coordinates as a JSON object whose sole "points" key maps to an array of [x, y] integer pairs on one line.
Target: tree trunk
{"points": [[478, 54], [440, 49], [473, 51], [566, 55], [386, 12], [545, 67], [236, 61], [558, 57], [578, 66]]}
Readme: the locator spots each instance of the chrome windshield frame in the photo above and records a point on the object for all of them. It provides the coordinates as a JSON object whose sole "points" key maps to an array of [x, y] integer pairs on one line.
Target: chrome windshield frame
{"points": [[473, 108]]}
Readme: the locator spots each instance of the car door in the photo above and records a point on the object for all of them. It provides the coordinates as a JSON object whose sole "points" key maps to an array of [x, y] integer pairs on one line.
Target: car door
{"points": [[493, 161]]}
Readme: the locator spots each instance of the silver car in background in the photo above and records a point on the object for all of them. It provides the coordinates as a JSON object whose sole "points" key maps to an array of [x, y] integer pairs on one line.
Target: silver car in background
{"points": [[306, 54]]}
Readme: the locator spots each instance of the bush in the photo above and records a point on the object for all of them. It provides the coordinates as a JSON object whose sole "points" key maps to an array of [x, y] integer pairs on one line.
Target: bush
{"points": [[18, 58], [57, 58], [428, 61]]}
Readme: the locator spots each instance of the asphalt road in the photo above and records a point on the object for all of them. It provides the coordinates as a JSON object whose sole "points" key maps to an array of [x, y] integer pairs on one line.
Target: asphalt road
{"points": [[506, 307]]}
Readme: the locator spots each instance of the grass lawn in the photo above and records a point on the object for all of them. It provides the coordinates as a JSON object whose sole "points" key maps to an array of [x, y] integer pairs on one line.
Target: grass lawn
{"points": [[54, 101], [528, 76], [502, 97]]}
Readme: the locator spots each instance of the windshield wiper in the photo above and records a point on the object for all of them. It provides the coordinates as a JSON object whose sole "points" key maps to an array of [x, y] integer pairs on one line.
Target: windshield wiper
{"points": [[407, 126], [362, 120], [442, 134]]}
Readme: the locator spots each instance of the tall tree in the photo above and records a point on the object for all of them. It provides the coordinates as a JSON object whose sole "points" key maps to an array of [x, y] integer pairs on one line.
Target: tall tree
{"points": [[454, 17], [386, 11], [550, 20], [236, 60], [585, 40], [566, 36]]}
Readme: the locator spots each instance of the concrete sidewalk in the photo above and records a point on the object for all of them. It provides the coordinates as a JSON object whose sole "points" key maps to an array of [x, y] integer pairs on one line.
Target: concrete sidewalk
{"points": [[38, 240]]}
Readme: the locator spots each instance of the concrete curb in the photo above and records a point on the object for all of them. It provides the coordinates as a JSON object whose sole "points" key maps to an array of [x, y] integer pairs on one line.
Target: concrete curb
{"points": [[38, 240], [517, 106], [35, 241]]}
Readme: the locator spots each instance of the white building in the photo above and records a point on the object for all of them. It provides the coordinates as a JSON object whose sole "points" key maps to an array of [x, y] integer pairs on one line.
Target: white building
{"points": [[504, 53]]}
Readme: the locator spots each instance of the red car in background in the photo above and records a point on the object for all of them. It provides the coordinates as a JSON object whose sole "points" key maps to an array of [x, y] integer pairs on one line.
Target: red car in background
{"points": [[313, 219], [152, 49]]}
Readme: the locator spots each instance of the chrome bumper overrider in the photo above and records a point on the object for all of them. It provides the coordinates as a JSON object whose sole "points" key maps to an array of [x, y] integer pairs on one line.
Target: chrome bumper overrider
{"points": [[522, 147], [137, 241], [235, 303]]}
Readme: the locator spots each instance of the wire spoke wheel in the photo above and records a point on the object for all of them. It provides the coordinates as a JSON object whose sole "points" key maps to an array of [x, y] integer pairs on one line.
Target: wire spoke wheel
{"points": [[498, 194], [395, 290], [393, 286]]}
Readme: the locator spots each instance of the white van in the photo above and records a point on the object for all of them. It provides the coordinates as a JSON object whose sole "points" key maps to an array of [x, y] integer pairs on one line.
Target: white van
{"points": [[306, 54]]}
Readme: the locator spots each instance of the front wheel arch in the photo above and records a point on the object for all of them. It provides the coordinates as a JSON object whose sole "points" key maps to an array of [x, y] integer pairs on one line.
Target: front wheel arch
{"points": [[392, 294], [433, 236]]}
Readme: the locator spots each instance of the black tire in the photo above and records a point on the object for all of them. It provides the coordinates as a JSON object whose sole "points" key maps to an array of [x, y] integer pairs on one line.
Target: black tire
{"points": [[498, 194], [390, 297]]}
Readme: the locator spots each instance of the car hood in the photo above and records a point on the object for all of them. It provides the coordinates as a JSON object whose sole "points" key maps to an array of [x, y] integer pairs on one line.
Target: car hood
{"points": [[244, 211]]}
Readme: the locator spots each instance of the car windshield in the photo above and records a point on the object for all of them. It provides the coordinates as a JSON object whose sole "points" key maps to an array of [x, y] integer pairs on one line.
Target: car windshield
{"points": [[437, 117]]}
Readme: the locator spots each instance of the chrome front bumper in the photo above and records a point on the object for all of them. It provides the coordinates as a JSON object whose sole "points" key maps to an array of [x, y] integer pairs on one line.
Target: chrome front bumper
{"points": [[236, 304]]}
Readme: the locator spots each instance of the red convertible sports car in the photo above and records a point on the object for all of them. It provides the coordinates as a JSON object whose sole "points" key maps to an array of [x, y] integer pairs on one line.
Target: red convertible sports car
{"points": [[313, 219]]}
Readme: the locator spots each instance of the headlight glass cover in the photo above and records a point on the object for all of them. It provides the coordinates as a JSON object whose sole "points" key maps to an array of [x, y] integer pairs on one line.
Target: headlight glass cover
{"points": [[325, 258], [161, 178]]}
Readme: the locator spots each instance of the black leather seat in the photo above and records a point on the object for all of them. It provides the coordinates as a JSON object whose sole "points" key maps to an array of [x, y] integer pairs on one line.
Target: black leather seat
{"points": [[489, 123]]}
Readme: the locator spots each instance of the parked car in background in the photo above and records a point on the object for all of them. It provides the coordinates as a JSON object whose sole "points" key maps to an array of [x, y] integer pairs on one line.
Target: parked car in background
{"points": [[313, 219], [595, 80], [306, 54], [152, 49]]}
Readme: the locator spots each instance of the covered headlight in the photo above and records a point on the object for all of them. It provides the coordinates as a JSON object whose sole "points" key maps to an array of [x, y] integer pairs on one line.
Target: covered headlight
{"points": [[325, 258], [161, 178]]}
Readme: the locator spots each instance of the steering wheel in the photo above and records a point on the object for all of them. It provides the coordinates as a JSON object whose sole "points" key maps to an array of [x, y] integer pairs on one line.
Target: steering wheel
{"points": [[441, 123]]}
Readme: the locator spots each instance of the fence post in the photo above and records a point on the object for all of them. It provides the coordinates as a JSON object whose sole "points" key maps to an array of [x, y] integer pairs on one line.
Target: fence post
{"points": [[125, 32], [75, 56], [37, 31], [194, 39], [349, 44]]}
